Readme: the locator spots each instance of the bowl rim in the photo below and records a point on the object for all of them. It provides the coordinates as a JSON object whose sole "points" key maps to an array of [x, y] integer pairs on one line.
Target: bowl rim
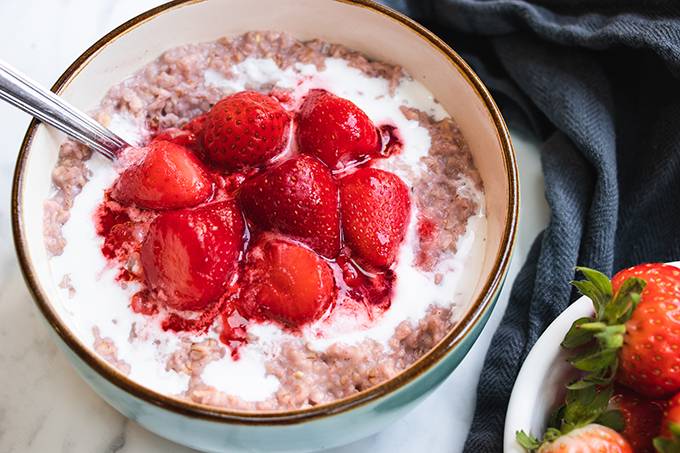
{"points": [[474, 314]]}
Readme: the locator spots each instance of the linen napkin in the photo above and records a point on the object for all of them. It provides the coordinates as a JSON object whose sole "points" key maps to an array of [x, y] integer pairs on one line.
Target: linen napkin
{"points": [[599, 82]]}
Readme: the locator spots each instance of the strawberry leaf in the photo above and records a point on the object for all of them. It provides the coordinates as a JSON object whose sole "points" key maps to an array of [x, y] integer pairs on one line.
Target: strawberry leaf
{"points": [[527, 441], [596, 286], [669, 445], [624, 302], [577, 336], [612, 419], [594, 360]]}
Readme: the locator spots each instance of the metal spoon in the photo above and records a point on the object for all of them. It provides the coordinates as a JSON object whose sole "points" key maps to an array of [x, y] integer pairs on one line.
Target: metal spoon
{"points": [[29, 96]]}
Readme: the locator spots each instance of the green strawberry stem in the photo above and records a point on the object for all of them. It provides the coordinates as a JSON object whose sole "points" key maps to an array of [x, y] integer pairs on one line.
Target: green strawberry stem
{"points": [[672, 445], [596, 341]]}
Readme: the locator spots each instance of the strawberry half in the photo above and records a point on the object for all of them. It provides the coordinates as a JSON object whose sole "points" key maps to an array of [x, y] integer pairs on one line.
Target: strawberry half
{"points": [[375, 208], [190, 256], [285, 282], [169, 176], [298, 198], [335, 130], [246, 129]]}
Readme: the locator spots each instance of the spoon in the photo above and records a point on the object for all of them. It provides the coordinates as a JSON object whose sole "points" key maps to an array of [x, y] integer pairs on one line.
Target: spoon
{"points": [[29, 96]]}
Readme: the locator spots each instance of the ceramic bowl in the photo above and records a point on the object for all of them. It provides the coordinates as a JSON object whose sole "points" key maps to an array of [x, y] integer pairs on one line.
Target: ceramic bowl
{"points": [[381, 34], [540, 384]]}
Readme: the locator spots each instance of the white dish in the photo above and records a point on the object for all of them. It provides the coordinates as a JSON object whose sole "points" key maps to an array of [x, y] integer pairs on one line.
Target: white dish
{"points": [[540, 384]]}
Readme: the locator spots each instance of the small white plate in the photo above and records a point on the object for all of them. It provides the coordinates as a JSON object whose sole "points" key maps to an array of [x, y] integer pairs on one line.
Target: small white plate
{"points": [[540, 384]]}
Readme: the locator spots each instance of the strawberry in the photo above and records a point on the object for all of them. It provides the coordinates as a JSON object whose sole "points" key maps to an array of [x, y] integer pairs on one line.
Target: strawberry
{"points": [[636, 328], [669, 440], [592, 438], [169, 176], [662, 279], [335, 130], [190, 256], [650, 357], [246, 129], [298, 198], [286, 282], [180, 137], [641, 417], [375, 208]]}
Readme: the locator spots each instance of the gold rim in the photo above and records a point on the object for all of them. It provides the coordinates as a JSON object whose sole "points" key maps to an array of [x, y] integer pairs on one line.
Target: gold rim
{"points": [[446, 345]]}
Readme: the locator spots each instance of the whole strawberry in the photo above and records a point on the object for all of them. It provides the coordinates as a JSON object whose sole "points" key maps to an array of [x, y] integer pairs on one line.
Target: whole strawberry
{"points": [[650, 355], [246, 129], [376, 209], [592, 438], [298, 198], [669, 440], [637, 332], [168, 176], [335, 130], [641, 418]]}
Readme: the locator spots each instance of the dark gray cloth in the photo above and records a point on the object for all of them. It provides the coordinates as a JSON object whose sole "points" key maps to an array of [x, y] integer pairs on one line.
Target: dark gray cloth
{"points": [[598, 82]]}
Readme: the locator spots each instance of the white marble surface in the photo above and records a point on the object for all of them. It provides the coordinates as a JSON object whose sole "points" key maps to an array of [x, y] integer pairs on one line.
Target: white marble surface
{"points": [[44, 406]]}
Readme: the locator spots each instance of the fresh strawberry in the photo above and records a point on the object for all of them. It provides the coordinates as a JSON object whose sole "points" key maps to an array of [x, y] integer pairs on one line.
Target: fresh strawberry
{"points": [[650, 356], [285, 282], [190, 256], [375, 209], [636, 330], [298, 198], [641, 417], [669, 440], [662, 279], [246, 129], [169, 176], [592, 438], [335, 130]]}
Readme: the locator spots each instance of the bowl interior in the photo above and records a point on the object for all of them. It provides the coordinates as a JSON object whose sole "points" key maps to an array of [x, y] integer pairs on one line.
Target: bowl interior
{"points": [[378, 35]]}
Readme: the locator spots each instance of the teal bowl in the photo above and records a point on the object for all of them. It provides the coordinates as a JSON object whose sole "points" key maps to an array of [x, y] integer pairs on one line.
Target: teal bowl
{"points": [[378, 32]]}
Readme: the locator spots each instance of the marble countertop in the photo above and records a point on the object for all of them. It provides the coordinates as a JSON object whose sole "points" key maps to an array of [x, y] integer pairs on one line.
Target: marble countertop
{"points": [[44, 405]]}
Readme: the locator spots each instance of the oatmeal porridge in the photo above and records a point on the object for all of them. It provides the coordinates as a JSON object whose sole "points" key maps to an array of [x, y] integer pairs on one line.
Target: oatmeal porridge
{"points": [[295, 223]]}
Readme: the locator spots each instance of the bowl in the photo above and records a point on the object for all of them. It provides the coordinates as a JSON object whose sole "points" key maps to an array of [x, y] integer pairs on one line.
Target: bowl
{"points": [[381, 34], [540, 384]]}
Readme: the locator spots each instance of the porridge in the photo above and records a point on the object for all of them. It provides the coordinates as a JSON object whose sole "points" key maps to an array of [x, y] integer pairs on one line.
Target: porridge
{"points": [[295, 223]]}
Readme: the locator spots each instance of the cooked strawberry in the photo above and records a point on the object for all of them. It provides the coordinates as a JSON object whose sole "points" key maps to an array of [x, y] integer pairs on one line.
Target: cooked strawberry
{"points": [[285, 282], [335, 130], [669, 439], [246, 129], [190, 256], [375, 208], [179, 137], [169, 176], [196, 125], [641, 417], [298, 198], [592, 438]]}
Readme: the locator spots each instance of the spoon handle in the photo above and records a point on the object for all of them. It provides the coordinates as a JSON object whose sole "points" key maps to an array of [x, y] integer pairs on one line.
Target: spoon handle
{"points": [[46, 106]]}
